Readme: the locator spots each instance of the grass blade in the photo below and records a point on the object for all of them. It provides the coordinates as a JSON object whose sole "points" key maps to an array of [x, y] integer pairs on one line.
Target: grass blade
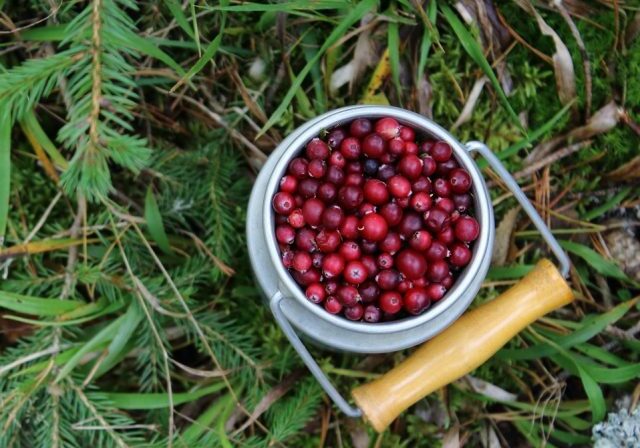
{"points": [[393, 42], [427, 38], [37, 306], [129, 324], [289, 6], [178, 15], [154, 222], [352, 17], [209, 53], [158, 400], [595, 260], [475, 52], [611, 203], [5, 171]]}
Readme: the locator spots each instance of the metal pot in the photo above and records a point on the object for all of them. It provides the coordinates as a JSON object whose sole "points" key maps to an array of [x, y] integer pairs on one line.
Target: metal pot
{"points": [[287, 300]]}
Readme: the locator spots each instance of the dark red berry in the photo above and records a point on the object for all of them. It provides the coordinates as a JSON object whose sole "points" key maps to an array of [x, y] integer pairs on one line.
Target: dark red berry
{"points": [[371, 314], [302, 261], [386, 172], [446, 236], [463, 202], [316, 260], [466, 229], [348, 295], [296, 219], [410, 166], [392, 213], [306, 278], [437, 270], [373, 146], [350, 251], [334, 175], [332, 305], [410, 148], [373, 227], [460, 255], [445, 168], [355, 272], [411, 222], [437, 251], [354, 179], [404, 286], [327, 192], [436, 219], [317, 168], [312, 211], [288, 183], [460, 180], [327, 240], [337, 159], [369, 291], [436, 291], [360, 127], [446, 204], [391, 243], [308, 187], [420, 240], [350, 196], [388, 128], [442, 188], [426, 147], [287, 258], [416, 300], [429, 166], [399, 186], [366, 208], [283, 203], [420, 202], [390, 302], [441, 152], [335, 137], [407, 134], [354, 312], [315, 293], [349, 227], [331, 287], [422, 184], [350, 148], [375, 191], [298, 167], [332, 217], [385, 261], [317, 149], [332, 265], [285, 234], [396, 146], [388, 279], [447, 282], [369, 247], [411, 264]]}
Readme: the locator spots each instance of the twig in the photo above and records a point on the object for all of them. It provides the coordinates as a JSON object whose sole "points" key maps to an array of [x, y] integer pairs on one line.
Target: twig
{"points": [[29, 358], [551, 158]]}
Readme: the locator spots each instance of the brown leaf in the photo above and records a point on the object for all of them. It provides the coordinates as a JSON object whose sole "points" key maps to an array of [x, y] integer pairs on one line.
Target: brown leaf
{"points": [[624, 248], [503, 237], [425, 97], [489, 438], [633, 29], [489, 390], [364, 56], [627, 172], [452, 438], [470, 105]]}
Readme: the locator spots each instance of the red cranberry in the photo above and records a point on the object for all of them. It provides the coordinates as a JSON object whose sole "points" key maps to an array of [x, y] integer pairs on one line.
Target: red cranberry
{"points": [[426, 147], [411, 166], [402, 202], [306, 278], [317, 149], [391, 243], [350, 148], [312, 211], [296, 219], [436, 291], [355, 167], [373, 146], [287, 258], [369, 291], [392, 213], [332, 305], [410, 148], [390, 302], [436, 219], [460, 255], [337, 159], [371, 167], [298, 167], [460, 180], [288, 183], [463, 202], [466, 229], [375, 191], [285, 234], [348, 295], [306, 240], [416, 300], [422, 184], [366, 208], [442, 188], [388, 279], [447, 282], [317, 168], [315, 293], [350, 196], [420, 241], [370, 263], [332, 217], [331, 287], [280, 219], [327, 240], [399, 186], [445, 168], [354, 179], [327, 192], [369, 247], [446, 236], [388, 128], [350, 250], [385, 261], [407, 134], [334, 175], [446, 204], [308, 187], [355, 272], [332, 265], [354, 312], [421, 202], [411, 263], [302, 261], [372, 314], [429, 166], [441, 152], [421, 282], [437, 270], [349, 227], [316, 260], [396, 146], [386, 172], [283, 203], [437, 251], [373, 227], [410, 224], [404, 286], [360, 127], [335, 137]]}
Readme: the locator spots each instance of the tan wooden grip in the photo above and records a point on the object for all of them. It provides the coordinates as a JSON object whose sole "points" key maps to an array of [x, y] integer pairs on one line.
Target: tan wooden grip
{"points": [[465, 345]]}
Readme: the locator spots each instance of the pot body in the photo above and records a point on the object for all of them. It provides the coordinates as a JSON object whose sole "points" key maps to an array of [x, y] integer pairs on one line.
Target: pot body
{"points": [[311, 320]]}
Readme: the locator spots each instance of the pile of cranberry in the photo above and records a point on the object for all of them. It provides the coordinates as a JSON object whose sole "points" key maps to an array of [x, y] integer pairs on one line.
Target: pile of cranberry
{"points": [[372, 224]]}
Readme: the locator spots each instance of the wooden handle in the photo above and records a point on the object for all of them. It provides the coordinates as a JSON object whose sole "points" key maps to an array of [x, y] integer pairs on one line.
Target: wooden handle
{"points": [[465, 345]]}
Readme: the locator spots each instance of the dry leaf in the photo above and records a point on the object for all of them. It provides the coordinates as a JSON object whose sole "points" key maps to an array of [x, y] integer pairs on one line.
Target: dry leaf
{"points": [[489, 390], [503, 237], [364, 55], [452, 438], [359, 437], [624, 248], [489, 438], [633, 29], [472, 99], [425, 97], [627, 172]]}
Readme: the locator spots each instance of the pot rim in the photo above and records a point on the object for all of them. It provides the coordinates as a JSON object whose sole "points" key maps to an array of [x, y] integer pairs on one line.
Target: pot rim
{"points": [[483, 213]]}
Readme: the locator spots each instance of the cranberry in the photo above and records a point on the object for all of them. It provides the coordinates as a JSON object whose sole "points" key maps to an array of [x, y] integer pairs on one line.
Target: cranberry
{"points": [[332, 305], [355, 167], [446, 236], [410, 224], [390, 302], [371, 167], [402, 202], [372, 314], [283, 203], [296, 219], [335, 137], [337, 159], [315, 293], [350, 251], [388, 128], [422, 184], [327, 192], [460, 255], [445, 168], [373, 227], [460, 180], [441, 152], [375, 191], [360, 127], [288, 183], [421, 282], [392, 213], [429, 166], [349, 227], [442, 188], [332, 265], [287, 258], [334, 175], [306, 278], [463, 202], [466, 229], [399, 186], [391, 243], [280, 219], [411, 166], [366, 208], [332, 217], [420, 241], [369, 247], [298, 167], [354, 179], [446, 204], [426, 147], [317, 149], [302, 261], [369, 291], [407, 134], [436, 291], [404, 286], [388, 279], [385, 261], [355, 272], [350, 148], [331, 287], [373, 146], [308, 187], [416, 300], [396, 146], [370, 263], [437, 251], [312, 211], [327, 240], [285, 234], [411, 263], [386, 172], [437, 271], [317, 168], [316, 260], [421, 202], [354, 312], [348, 295], [410, 148], [350, 196], [436, 219]]}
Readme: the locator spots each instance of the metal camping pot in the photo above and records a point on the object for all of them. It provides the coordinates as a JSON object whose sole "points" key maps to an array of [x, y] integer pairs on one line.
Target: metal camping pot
{"points": [[456, 345]]}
